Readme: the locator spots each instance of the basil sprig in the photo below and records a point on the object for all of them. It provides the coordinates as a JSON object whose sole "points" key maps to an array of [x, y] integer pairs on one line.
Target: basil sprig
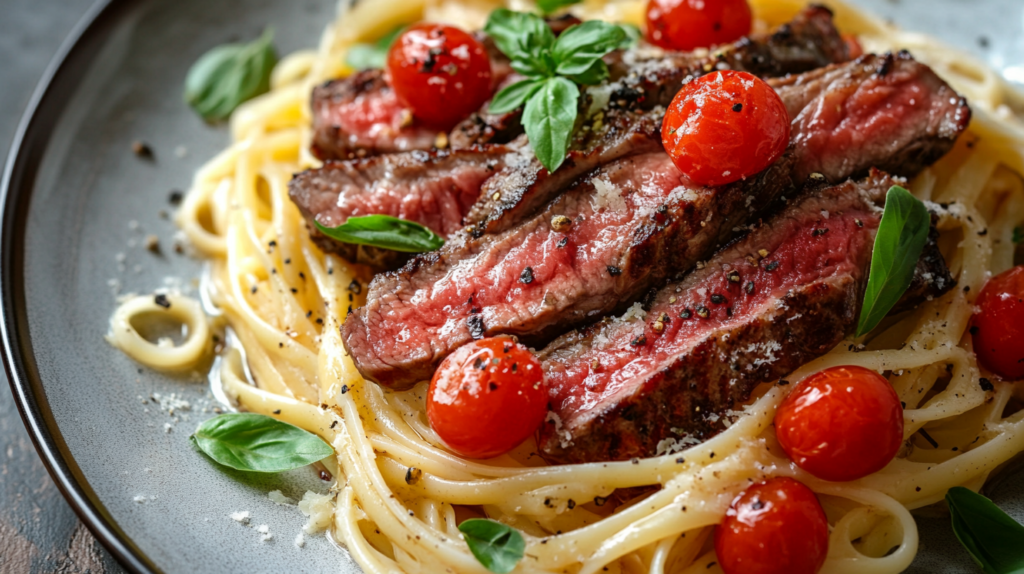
{"points": [[228, 75], [994, 540], [386, 232], [375, 55], [497, 546], [552, 68], [258, 443], [901, 236], [549, 6]]}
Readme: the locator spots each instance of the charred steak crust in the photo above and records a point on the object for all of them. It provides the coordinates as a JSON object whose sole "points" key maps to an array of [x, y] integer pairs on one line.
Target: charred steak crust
{"points": [[783, 295], [634, 220]]}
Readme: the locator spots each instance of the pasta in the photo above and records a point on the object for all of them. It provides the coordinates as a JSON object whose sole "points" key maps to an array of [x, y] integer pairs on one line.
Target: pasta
{"points": [[283, 301]]}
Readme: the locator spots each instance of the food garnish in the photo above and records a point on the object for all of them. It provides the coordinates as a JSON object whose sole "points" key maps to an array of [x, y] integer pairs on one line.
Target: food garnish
{"points": [[991, 537], [901, 236], [487, 397], [258, 443], [439, 72], [228, 75], [385, 232], [724, 127], [553, 68], [497, 546], [774, 527], [549, 6], [691, 24], [998, 324], [841, 424], [375, 55]]}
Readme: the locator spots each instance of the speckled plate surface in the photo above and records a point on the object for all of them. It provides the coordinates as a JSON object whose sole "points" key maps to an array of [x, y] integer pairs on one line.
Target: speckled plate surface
{"points": [[77, 209]]}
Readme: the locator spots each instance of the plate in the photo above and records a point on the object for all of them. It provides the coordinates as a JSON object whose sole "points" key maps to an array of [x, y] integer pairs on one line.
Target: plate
{"points": [[78, 207]]}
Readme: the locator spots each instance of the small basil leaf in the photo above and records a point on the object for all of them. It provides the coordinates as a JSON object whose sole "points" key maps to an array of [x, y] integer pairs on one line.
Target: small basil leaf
{"points": [[549, 117], [595, 74], [258, 443], [513, 96], [229, 75], [994, 540], [1018, 235], [633, 35], [386, 232], [497, 546], [375, 55], [901, 236], [549, 6], [578, 47], [519, 35]]}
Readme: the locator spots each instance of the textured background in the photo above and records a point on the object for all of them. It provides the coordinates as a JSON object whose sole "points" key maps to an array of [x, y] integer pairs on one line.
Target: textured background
{"points": [[38, 531]]}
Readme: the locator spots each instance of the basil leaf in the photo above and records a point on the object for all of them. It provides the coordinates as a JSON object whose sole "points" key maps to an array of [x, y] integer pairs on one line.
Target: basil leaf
{"points": [[901, 236], [513, 96], [375, 55], [992, 538], [258, 443], [1018, 235], [228, 75], [633, 35], [595, 74], [497, 546], [578, 47], [549, 6], [386, 232], [519, 35], [549, 117]]}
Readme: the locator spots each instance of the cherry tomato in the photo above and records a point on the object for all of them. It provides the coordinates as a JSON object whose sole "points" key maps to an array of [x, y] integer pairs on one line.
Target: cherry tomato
{"points": [[774, 527], [998, 324], [689, 24], [487, 397], [440, 73], [724, 127], [841, 424]]}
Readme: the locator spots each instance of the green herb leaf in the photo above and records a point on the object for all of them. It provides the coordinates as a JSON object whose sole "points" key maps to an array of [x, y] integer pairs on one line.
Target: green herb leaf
{"points": [[375, 55], [549, 6], [1018, 235], [578, 47], [228, 75], [519, 35], [258, 443], [595, 74], [989, 534], [633, 35], [549, 117], [513, 96], [386, 232], [497, 546], [901, 236]]}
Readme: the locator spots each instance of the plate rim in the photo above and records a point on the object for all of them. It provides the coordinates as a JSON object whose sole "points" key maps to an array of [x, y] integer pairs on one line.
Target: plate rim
{"points": [[64, 72]]}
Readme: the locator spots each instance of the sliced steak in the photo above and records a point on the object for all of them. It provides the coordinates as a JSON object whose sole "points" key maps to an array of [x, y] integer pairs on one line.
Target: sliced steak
{"points": [[635, 223], [435, 189], [654, 381]]}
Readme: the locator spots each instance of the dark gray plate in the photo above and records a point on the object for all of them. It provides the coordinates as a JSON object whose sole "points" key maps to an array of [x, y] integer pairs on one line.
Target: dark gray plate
{"points": [[77, 207]]}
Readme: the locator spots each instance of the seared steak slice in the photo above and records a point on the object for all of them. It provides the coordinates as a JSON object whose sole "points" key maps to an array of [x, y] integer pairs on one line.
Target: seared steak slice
{"points": [[653, 381], [635, 223], [434, 189]]}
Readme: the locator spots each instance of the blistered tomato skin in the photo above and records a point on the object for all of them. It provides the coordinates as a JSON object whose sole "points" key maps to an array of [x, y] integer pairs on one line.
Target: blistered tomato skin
{"points": [[998, 325], [440, 73], [724, 127], [774, 527], [487, 397], [690, 24], [841, 424]]}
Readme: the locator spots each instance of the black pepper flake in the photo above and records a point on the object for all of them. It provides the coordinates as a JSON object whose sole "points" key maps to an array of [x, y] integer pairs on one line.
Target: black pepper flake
{"points": [[476, 327], [309, 314], [571, 504], [686, 314], [717, 299], [986, 385], [272, 243], [928, 438], [277, 411], [412, 476], [294, 290], [639, 341], [600, 500], [703, 312], [680, 460], [711, 564], [967, 288], [783, 382], [515, 367], [161, 300], [493, 386], [302, 275], [734, 276], [757, 505], [349, 311], [355, 287], [819, 232], [974, 329], [749, 287], [479, 364], [635, 460], [859, 222], [344, 389], [728, 311], [334, 424], [253, 290], [737, 107], [142, 149], [288, 261], [562, 242], [771, 266], [526, 276], [983, 232], [614, 271], [712, 455], [175, 197]]}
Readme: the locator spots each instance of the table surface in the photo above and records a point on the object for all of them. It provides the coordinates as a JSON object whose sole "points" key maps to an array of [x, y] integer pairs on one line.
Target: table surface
{"points": [[38, 530]]}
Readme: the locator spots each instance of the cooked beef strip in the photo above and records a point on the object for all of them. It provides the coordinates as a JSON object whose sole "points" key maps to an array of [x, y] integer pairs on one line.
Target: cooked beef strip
{"points": [[637, 222], [620, 387], [434, 189]]}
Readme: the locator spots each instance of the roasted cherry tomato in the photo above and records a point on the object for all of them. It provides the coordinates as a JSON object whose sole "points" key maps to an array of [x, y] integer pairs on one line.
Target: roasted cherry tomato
{"points": [[998, 324], [440, 73], [725, 126], [487, 397], [841, 424], [689, 24], [775, 527]]}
